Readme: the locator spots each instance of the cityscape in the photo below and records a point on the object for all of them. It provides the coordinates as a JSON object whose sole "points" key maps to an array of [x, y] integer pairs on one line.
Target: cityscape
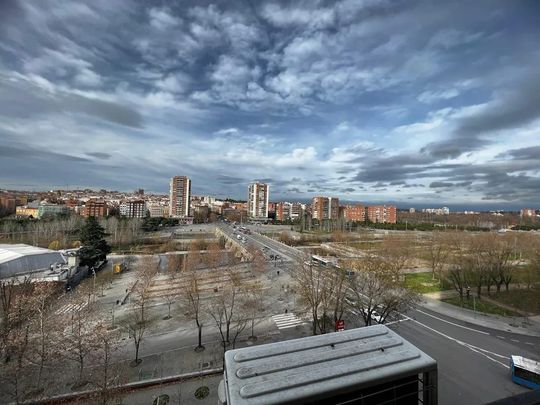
{"points": [[330, 202]]}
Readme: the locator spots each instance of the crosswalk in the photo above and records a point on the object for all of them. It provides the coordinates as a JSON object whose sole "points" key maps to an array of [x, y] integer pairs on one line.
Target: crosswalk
{"points": [[73, 307], [288, 320]]}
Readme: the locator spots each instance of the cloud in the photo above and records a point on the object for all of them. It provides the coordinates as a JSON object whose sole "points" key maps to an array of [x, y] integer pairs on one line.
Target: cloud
{"points": [[363, 99], [99, 155]]}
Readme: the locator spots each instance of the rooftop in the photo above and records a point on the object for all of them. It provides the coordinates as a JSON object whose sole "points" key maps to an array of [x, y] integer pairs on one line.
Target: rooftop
{"points": [[309, 368]]}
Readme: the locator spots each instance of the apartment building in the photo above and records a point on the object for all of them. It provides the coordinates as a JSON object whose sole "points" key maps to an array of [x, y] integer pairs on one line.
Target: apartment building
{"points": [[354, 213], [95, 208], [325, 208], [179, 197], [382, 214], [288, 211], [258, 194], [133, 209], [158, 210]]}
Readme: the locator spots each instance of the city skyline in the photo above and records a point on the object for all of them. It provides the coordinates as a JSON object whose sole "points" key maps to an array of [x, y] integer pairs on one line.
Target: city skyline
{"points": [[416, 104]]}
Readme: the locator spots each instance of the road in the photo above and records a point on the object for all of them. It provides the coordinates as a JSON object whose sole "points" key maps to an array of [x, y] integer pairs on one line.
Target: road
{"points": [[473, 361]]}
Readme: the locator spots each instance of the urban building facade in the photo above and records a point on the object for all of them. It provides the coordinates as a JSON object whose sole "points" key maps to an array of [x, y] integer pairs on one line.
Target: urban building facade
{"points": [[325, 208], [95, 208], [27, 211], [179, 197], [288, 211], [133, 209], [47, 209], [157, 210], [382, 214], [258, 195], [355, 213]]}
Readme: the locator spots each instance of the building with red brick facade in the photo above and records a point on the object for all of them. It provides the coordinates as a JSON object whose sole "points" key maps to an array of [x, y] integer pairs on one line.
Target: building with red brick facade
{"points": [[354, 213], [382, 214]]}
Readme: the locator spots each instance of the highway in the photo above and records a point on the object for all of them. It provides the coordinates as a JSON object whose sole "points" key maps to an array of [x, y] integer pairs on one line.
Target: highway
{"points": [[473, 361]]}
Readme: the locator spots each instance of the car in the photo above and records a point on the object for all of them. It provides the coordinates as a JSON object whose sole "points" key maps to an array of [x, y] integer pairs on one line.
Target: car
{"points": [[376, 317], [238, 237]]}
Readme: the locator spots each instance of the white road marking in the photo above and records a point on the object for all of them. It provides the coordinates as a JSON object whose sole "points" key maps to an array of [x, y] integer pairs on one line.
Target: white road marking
{"points": [[501, 337], [452, 323], [286, 321], [529, 343], [73, 307], [476, 349], [398, 321], [515, 340]]}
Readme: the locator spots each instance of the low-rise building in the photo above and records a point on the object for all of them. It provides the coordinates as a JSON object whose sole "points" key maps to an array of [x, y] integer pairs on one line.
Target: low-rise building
{"points": [[47, 209], [28, 211]]}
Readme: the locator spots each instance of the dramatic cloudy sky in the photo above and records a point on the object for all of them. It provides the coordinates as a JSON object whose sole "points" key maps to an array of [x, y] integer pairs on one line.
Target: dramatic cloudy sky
{"points": [[369, 100]]}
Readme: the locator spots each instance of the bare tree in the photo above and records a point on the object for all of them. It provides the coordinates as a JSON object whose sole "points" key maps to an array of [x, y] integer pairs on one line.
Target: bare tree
{"points": [[191, 301], [44, 327], [137, 321], [78, 334], [13, 373], [309, 280], [397, 251], [258, 262], [253, 303], [225, 309], [106, 374], [376, 287], [437, 253]]}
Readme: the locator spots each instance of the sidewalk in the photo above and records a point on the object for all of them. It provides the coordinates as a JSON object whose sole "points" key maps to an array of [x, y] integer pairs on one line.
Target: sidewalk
{"points": [[519, 325]]}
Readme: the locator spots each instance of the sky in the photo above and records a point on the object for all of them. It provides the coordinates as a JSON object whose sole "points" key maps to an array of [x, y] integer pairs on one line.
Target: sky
{"points": [[414, 102]]}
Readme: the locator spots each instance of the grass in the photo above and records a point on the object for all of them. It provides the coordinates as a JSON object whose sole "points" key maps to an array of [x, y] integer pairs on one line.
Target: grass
{"points": [[526, 273], [522, 299], [481, 306], [423, 283]]}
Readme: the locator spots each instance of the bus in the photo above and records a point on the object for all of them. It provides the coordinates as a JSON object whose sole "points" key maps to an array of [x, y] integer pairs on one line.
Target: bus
{"points": [[525, 372]]}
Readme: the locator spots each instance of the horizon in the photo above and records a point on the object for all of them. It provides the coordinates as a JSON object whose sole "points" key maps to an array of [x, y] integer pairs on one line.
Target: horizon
{"points": [[419, 104]]}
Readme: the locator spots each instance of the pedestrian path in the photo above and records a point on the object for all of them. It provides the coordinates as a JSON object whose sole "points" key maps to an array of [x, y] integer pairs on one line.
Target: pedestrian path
{"points": [[73, 307], [288, 320]]}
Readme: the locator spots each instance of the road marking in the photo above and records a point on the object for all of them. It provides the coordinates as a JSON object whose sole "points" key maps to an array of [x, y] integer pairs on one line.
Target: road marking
{"points": [[515, 340], [501, 337], [529, 343], [286, 321], [452, 323], [399, 320], [73, 307], [476, 349]]}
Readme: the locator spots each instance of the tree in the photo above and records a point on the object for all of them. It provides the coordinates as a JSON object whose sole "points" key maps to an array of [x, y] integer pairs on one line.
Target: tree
{"points": [[191, 303], [15, 342], [253, 304], [225, 308], [137, 321], [376, 287], [258, 262], [78, 336], [44, 327], [105, 374], [309, 280], [437, 253], [94, 246]]}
